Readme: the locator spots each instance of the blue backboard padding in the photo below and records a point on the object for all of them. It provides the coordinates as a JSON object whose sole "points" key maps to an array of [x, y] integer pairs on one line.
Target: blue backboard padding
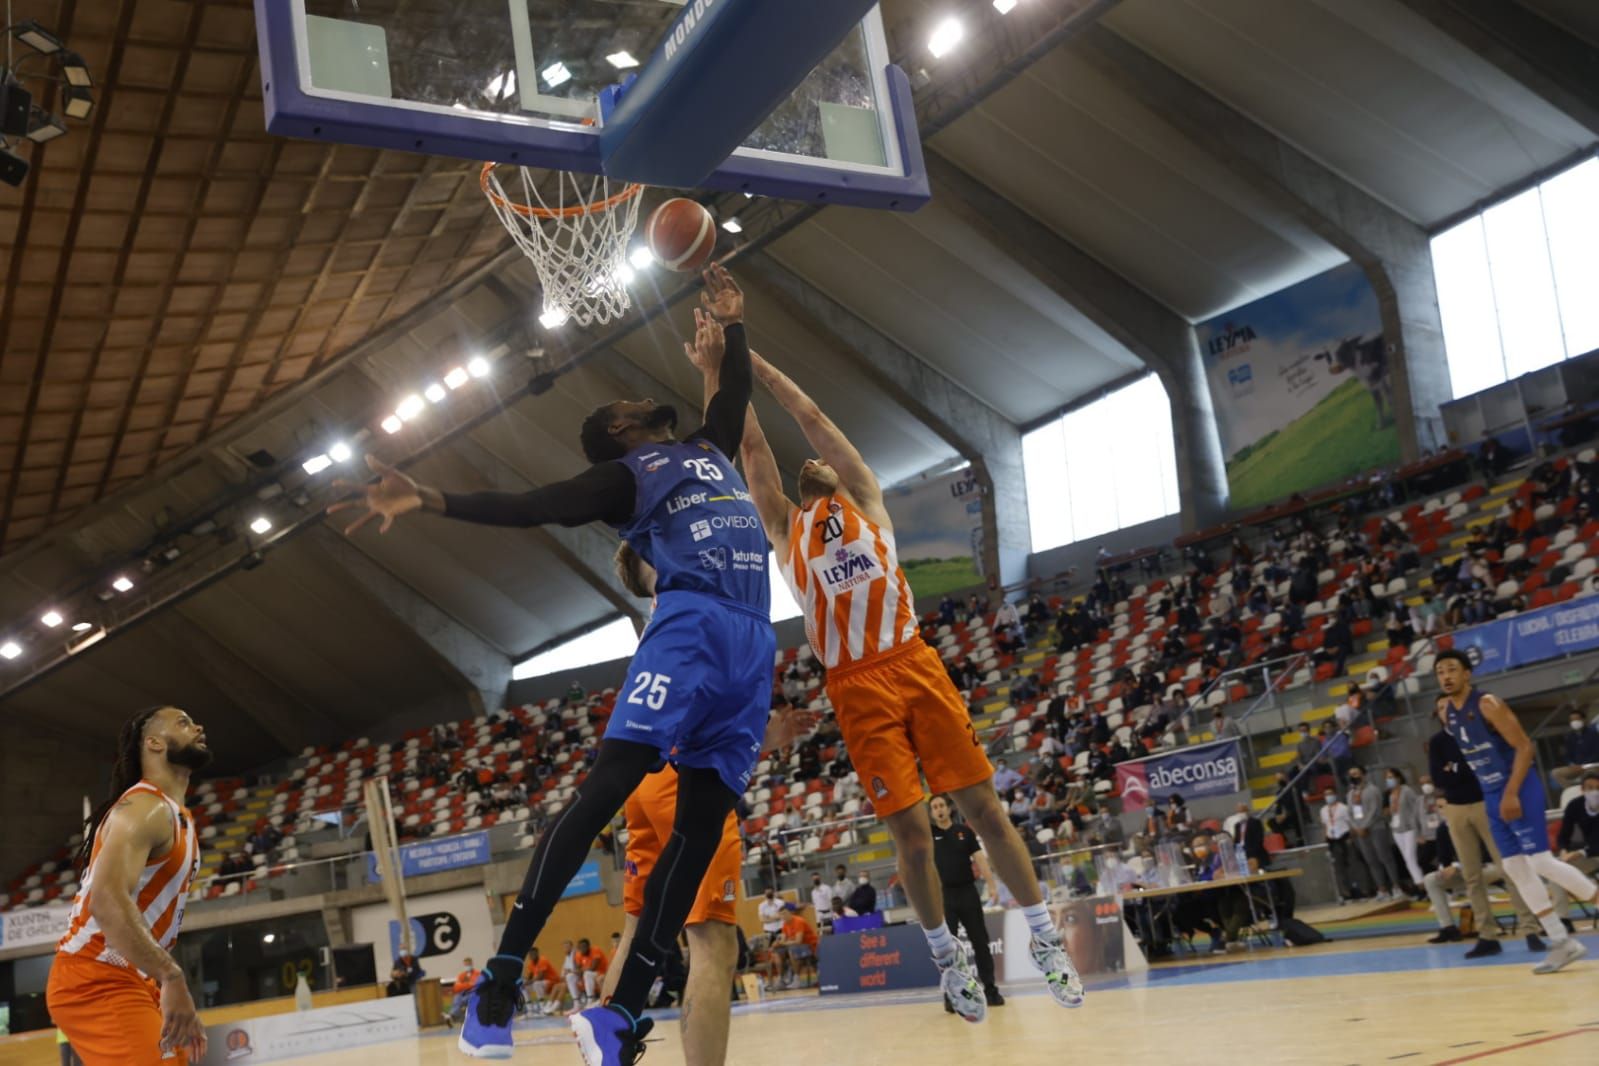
{"points": [[292, 112], [717, 73]]}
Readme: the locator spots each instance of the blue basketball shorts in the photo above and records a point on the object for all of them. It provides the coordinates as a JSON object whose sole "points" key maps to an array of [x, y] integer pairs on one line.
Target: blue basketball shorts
{"points": [[1527, 835], [699, 688]]}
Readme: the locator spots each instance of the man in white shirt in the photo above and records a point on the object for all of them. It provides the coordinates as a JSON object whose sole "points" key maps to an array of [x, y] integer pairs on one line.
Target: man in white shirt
{"points": [[1005, 778], [771, 911], [821, 896], [1337, 823]]}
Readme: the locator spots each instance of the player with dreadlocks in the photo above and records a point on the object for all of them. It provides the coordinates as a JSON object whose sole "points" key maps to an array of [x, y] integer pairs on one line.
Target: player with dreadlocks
{"points": [[115, 990]]}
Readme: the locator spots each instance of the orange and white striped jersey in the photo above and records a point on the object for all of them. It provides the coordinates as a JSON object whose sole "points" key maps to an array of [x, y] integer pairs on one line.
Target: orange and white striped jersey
{"points": [[161, 894], [844, 573]]}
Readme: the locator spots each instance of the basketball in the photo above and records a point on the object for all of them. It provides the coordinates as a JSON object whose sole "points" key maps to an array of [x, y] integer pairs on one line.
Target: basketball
{"points": [[682, 235]]}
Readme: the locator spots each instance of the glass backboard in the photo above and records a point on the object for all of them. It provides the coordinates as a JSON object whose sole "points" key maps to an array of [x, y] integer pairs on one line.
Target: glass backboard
{"points": [[520, 81]]}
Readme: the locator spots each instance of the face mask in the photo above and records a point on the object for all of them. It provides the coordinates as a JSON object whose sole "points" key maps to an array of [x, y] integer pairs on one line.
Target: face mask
{"points": [[1330, 800], [1591, 798], [1427, 790], [1391, 782], [1576, 723]]}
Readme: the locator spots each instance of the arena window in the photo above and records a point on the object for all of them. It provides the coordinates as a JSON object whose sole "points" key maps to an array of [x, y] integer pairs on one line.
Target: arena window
{"points": [[1516, 283], [612, 641], [1104, 466]]}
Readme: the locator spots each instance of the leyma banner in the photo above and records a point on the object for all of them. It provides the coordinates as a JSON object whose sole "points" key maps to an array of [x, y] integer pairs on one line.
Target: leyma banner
{"points": [[1214, 769], [1302, 386]]}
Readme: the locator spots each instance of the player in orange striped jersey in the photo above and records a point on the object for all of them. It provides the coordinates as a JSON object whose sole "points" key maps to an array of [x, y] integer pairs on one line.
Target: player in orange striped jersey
{"points": [[894, 700], [114, 989]]}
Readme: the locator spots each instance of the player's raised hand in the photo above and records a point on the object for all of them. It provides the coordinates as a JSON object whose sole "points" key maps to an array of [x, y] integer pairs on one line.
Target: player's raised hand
{"points": [[390, 496], [788, 725], [722, 298], [708, 346]]}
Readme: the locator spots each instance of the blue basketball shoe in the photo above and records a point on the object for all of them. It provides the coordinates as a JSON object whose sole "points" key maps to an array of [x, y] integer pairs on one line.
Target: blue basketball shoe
{"points": [[486, 1028], [610, 1036]]}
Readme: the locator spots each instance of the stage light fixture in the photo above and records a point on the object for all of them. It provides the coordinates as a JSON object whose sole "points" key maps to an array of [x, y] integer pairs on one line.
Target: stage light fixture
{"points": [[946, 37], [36, 37], [10, 649], [77, 103], [52, 618], [262, 524], [79, 627], [392, 424], [76, 70], [122, 584], [457, 377], [44, 127], [478, 367], [316, 464], [435, 393], [410, 407], [13, 168], [340, 452]]}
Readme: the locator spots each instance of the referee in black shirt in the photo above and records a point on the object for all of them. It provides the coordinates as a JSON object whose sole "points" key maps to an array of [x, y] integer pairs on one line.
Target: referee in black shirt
{"points": [[955, 850]]}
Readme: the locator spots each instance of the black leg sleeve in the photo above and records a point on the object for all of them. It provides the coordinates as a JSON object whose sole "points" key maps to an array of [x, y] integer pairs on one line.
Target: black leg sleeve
{"points": [[617, 771], [702, 805]]}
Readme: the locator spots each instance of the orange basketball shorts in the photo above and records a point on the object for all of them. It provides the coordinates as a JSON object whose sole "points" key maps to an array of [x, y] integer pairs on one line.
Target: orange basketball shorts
{"points": [[111, 1016], [650, 811], [896, 709]]}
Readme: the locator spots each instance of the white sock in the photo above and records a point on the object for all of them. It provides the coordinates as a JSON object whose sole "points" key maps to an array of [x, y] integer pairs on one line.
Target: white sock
{"points": [[1552, 925], [940, 940], [1039, 921]]}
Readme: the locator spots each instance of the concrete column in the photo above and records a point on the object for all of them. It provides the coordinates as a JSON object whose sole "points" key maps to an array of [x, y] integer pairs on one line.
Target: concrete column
{"points": [[981, 435], [1122, 312], [1392, 250], [480, 665], [1561, 68]]}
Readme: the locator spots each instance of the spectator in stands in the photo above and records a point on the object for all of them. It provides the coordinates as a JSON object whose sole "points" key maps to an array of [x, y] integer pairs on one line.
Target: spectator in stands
{"points": [[1372, 835], [1288, 816], [1019, 807], [1337, 825], [404, 975], [821, 896], [946, 610], [1307, 751], [1426, 617], [463, 984], [1168, 823], [1337, 645], [976, 607], [1222, 727], [587, 974], [1302, 587], [840, 909], [1581, 750], [1581, 815], [771, 914], [1401, 630], [236, 867], [1492, 459], [841, 883], [1005, 778], [1405, 820], [864, 899], [575, 693]]}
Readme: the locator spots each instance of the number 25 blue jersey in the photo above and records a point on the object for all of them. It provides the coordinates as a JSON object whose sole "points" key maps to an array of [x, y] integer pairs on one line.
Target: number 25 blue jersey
{"points": [[695, 523]]}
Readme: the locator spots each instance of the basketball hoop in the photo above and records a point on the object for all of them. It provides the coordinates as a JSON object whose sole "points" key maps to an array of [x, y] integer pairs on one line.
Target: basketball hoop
{"points": [[577, 243]]}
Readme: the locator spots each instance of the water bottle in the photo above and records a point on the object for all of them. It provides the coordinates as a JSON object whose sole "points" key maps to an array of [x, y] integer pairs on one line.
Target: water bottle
{"points": [[1241, 859], [302, 994]]}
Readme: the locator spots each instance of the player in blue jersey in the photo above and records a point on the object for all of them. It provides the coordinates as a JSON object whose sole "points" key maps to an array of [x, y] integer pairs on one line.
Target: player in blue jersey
{"points": [[1501, 754], [699, 686]]}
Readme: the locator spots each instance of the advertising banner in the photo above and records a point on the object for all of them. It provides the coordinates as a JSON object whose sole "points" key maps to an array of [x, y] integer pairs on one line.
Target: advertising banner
{"points": [[938, 532], [446, 929], [1547, 633], [1091, 930], [33, 925], [877, 960], [1213, 769], [586, 883], [431, 856], [1302, 387], [286, 1036]]}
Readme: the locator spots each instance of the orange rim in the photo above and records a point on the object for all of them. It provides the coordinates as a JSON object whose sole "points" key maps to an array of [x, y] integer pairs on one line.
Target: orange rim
{"points": [[528, 211]]}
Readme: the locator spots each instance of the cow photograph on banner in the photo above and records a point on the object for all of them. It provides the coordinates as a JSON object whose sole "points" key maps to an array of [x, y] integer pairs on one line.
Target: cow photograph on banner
{"points": [[1302, 385], [938, 532], [1204, 770]]}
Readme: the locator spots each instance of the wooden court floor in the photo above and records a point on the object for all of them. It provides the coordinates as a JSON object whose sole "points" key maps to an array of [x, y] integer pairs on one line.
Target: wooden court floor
{"points": [[1420, 1006]]}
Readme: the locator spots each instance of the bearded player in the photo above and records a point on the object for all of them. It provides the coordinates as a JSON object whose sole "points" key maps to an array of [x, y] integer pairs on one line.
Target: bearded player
{"points": [[894, 701], [115, 990]]}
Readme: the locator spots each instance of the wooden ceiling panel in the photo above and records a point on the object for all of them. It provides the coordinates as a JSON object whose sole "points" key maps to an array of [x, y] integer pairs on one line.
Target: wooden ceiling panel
{"points": [[207, 264]]}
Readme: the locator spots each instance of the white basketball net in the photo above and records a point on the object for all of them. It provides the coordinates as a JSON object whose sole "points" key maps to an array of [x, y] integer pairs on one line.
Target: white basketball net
{"points": [[580, 250]]}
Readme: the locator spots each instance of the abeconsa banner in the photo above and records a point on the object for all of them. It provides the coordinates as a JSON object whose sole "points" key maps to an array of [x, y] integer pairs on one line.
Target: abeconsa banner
{"points": [[1213, 769], [1302, 387]]}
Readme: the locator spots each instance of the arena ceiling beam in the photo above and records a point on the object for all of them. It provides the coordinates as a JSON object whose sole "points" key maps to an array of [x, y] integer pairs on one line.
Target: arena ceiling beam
{"points": [[1129, 316], [287, 719], [1393, 251], [482, 668], [982, 436], [1558, 66]]}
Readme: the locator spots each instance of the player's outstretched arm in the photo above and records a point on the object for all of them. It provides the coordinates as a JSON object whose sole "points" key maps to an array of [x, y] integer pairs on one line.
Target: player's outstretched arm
{"points": [[766, 484], [723, 302], [602, 493], [137, 827], [828, 440]]}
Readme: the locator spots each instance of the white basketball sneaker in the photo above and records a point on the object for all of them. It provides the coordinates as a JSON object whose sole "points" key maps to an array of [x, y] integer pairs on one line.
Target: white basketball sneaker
{"points": [[962, 989], [1064, 983], [1561, 955]]}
